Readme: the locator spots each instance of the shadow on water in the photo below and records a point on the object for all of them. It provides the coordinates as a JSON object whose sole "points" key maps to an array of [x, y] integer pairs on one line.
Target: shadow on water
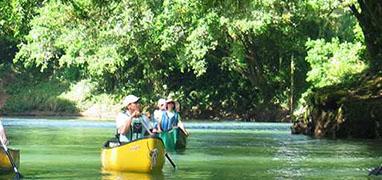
{"points": [[7, 175], [374, 150]]}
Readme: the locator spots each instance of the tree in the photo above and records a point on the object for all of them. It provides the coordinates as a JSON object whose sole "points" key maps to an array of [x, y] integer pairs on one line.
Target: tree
{"points": [[14, 24], [220, 56], [368, 13]]}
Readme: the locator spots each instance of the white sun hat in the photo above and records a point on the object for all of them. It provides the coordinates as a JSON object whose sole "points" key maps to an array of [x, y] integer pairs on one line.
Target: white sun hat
{"points": [[130, 99], [161, 101]]}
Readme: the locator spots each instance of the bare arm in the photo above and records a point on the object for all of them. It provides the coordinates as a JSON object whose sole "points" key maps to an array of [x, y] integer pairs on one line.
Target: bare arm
{"points": [[159, 125], [124, 129], [146, 124], [3, 135]]}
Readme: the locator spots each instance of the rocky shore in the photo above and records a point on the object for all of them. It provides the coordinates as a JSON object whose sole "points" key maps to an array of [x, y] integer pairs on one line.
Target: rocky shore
{"points": [[344, 111]]}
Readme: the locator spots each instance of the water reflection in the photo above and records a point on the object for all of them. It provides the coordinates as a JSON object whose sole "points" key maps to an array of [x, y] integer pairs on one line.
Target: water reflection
{"points": [[292, 157], [70, 149], [7, 175], [115, 175]]}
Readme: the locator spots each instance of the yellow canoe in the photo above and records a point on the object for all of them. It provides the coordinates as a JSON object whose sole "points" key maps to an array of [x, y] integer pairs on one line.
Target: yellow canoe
{"points": [[141, 155], [5, 164]]}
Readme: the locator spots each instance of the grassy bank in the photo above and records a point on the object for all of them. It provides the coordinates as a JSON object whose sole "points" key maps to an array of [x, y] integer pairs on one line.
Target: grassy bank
{"points": [[23, 95]]}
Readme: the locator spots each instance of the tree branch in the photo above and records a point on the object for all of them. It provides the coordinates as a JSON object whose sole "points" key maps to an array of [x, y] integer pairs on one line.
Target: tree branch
{"points": [[355, 12]]}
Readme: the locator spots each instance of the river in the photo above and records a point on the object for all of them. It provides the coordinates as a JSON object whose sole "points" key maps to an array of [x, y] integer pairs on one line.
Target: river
{"points": [[70, 149]]}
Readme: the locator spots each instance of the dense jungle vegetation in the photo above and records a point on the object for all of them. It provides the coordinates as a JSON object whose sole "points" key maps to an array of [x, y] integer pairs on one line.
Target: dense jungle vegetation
{"points": [[252, 59]]}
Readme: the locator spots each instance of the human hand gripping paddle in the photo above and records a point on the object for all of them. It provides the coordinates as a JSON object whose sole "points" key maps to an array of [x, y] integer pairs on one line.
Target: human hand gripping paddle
{"points": [[18, 174], [166, 154]]}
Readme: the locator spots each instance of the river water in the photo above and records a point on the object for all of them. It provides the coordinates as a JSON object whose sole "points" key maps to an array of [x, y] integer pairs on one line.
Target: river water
{"points": [[70, 149]]}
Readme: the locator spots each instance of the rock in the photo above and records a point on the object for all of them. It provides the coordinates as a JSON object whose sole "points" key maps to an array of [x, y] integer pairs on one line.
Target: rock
{"points": [[345, 111], [376, 171], [298, 128]]}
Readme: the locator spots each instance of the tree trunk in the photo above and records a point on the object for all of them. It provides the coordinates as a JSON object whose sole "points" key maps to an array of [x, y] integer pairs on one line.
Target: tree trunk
{"points": [[371, 23]]}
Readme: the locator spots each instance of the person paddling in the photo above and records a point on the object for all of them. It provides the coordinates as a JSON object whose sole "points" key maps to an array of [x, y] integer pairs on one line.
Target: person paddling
{"points": [[3, 145], [3, 135], [131, 124], [171, 118], [161, 109]]}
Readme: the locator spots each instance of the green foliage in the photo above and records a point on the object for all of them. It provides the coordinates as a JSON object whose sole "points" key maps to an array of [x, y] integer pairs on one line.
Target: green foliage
{"points": [[333, 62], [80, 91], [14, 25], [28, 96], [15, 17], [41, 95], [230, 58]]}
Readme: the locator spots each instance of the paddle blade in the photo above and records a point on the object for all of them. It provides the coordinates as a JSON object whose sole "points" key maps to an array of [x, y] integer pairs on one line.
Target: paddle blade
{"points": [[169, 159], [19, 176]]}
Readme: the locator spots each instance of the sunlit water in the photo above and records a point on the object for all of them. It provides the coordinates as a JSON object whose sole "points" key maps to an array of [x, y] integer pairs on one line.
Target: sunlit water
{"points": [[70, 149]]}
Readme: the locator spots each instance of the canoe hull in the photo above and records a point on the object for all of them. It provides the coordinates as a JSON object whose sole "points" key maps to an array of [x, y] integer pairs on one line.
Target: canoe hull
{"points": [[142, 155], [181, 140], [175, 139], [5, 164]]}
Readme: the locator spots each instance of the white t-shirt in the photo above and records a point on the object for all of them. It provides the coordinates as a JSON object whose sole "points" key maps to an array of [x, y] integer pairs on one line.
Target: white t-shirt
{"points": [[122, 118], [2, 134], [170, 114], [158, 114]]}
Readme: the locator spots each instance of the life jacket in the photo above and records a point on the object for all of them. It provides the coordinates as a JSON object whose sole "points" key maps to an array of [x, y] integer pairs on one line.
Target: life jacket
{"points": [[137, 129], [167, 123]]}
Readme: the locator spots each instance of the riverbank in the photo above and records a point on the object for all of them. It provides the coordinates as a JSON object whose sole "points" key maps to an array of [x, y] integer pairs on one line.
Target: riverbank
{"points": [[27, 95], [51, 115], [344, 111]]}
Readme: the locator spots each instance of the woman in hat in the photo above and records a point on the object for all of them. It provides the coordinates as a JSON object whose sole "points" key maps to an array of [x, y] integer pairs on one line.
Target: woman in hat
{"points": [[171, 118]]}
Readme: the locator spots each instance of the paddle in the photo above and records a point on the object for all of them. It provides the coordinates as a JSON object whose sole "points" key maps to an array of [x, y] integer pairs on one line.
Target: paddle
{"points": [[184, 131], [169, 159], [166, 154], [18, 174], [181, 127]]}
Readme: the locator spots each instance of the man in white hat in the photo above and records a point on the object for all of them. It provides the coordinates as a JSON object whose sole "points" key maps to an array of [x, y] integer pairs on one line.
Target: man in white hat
{"points": [[131, 120]]}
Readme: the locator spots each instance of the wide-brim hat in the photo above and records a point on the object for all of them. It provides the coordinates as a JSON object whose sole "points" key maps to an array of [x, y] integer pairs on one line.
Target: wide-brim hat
{"points": [[130, 99], [169, 100]]}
